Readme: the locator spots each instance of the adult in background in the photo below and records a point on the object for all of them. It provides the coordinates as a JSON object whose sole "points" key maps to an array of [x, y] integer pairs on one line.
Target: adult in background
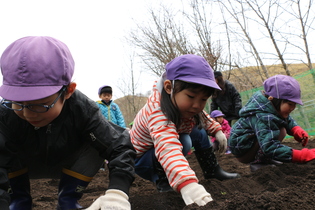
{"points": [[228, 99]]}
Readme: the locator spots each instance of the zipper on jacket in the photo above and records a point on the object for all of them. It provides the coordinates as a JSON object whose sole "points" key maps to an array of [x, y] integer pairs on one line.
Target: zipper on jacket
{"points": [[48, 129], [92, 136]]}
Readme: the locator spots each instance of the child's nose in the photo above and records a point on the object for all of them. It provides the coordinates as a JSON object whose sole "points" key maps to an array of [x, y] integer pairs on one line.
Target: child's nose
{"points": [[28, 113], [197, 105]]}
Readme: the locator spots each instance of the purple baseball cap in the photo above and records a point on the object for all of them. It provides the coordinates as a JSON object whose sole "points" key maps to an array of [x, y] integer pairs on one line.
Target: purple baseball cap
{"points": [[283, 87], [216, 113], [100, 89], [191, 68], [35, 67]]}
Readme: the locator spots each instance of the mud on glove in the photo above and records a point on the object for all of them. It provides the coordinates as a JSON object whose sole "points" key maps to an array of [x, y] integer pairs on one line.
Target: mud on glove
{"points": [[113, 199], [221, 139], [300, 135], [195, 193], [303, 156]]}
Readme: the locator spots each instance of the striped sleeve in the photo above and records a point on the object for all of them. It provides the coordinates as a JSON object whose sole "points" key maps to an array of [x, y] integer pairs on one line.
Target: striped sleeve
{"points": [[152, 129], [211, 126]]}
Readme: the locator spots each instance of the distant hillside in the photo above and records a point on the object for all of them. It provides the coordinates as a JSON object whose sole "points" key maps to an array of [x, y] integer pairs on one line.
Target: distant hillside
{"points": [[239, 77], [129, 111]]}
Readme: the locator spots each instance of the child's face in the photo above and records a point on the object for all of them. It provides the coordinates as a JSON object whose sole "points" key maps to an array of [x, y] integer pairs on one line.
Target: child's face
{"points": [[286, 108], [190, 102], [41, 119], [106, 97], [219, 119]]}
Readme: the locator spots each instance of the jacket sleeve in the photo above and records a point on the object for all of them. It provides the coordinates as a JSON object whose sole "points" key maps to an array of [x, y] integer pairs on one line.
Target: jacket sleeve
{"points": [[226, 128], [120, 117], [5, 159], [113, 144], [267, 133], [214, 105], [4, 185], [291, 123], [211, 126], [236, 98]]}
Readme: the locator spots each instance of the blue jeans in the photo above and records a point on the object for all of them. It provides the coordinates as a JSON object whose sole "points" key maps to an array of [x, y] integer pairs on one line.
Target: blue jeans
{"points": [[146, 164]]}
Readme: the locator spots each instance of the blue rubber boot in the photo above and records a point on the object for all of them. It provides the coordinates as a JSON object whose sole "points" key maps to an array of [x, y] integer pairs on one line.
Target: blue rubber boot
{"points": [[71, 188], [20, 191]]}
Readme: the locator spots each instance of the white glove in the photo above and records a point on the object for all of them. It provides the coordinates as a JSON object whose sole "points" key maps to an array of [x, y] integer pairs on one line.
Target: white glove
{"points": [[195, 193], [221, 138], [113, 199]]}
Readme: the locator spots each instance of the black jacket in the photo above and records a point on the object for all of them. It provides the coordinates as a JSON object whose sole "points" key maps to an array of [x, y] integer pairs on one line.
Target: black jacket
{"points": [[79, 122], [229, 103]]}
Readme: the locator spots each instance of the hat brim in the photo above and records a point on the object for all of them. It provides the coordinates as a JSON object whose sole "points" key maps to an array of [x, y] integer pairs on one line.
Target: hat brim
{"points": [[201, 81], [14, 93], [298, 101]]}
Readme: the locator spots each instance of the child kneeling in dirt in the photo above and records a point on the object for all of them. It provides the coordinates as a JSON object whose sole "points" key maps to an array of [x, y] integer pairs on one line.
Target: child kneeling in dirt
{"points": [[160, 133], [218, 116], [265, 120], [49, 129]]}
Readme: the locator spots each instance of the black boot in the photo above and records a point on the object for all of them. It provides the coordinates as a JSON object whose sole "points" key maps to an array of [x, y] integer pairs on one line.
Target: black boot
{"points": [[71, 189], [210, 167], [261, 161], [20, 192], [162, 184], [254, 166]]}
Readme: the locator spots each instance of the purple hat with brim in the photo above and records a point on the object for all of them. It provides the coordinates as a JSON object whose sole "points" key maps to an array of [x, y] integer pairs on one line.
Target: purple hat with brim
{"points": [[191, 68], [35, 67], [100, 89], [283, 87], [216, 113]]}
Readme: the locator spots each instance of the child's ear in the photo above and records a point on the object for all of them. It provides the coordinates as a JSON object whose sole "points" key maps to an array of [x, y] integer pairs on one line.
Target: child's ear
{"points": [[70, 89], [168, 86]]}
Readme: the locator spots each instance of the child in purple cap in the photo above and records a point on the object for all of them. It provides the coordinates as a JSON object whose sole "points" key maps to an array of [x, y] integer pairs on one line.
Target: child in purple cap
{"points": [[160, 133], [265, 120], [49, 129], [109, 109], [218, 116]]}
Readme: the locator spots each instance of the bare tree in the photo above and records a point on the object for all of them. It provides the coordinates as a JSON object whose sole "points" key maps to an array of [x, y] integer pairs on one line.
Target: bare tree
{"points": [[132, 102], [306, 20], [201, 23], [269, 23], [161, 40], [239, 15]]}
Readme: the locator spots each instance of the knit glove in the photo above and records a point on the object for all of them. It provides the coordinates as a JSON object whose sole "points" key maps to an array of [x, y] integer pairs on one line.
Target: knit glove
{"points": [[300, 135], [221, 139], [303, 156], [113, 199], [195, 193]]}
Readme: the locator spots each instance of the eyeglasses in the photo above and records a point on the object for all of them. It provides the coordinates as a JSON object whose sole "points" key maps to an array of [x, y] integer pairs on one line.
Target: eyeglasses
{"points": [[39, 108]]}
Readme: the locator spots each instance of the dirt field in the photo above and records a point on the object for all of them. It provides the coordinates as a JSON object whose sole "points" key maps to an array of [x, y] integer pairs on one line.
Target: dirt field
{"points": [[288, 186]]}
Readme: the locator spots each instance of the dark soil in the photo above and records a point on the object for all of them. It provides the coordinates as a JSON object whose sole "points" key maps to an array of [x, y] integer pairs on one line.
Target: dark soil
{"points": [[287, 186]]}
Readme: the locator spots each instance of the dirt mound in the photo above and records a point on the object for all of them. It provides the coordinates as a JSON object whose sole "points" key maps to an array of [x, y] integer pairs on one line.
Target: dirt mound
{"points": [[287, 186]]}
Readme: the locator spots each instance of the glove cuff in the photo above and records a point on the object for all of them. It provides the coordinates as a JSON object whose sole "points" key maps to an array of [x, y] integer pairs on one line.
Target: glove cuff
{"points": [[296, 155], [117, 193], [295, 128]]}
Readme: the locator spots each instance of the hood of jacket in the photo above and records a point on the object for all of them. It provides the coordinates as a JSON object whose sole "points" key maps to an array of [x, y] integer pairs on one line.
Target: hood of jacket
{"points": [[258, 104]]}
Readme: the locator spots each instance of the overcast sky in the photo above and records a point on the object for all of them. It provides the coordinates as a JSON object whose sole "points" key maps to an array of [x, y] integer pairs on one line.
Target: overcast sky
{"points": [[92, 29]]}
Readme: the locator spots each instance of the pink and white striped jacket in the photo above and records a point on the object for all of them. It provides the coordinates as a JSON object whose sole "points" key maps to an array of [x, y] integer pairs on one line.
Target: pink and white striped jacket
{"points": [[151, 129]]}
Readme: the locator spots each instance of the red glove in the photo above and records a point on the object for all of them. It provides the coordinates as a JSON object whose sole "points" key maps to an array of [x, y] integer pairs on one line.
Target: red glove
{"points": [[300, 135], [302, 156]]}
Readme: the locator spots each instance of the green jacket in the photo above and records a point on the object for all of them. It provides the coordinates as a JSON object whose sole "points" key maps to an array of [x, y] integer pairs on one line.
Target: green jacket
{"points": [[260, 122]]}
